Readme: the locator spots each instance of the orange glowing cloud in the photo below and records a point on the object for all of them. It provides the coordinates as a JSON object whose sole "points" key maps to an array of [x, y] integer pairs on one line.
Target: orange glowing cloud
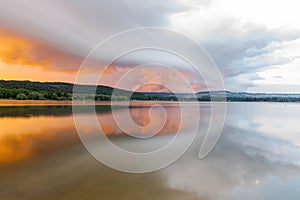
{"points": [[151, 79], [24, 58], [24, 51], [18, 51], [152, 87], [24, 72], [114, 69]]}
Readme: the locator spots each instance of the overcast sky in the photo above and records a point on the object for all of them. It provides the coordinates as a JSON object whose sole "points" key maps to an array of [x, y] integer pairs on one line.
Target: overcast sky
{"points": [[255, 44]]}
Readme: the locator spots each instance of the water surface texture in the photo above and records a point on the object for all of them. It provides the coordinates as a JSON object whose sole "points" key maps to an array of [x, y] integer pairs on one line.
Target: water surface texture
{"points": [[256, 157]]}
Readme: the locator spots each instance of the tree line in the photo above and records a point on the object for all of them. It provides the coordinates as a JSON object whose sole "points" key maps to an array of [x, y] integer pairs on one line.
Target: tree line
{"points": [[27, 90], [23, 94]]}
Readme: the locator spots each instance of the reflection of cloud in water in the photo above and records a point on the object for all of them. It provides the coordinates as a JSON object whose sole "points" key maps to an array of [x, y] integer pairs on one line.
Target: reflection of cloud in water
{"points": [[149, 124], [272, 188], [243, 158], [25, 138], [273, 122], [281, 121], [249, 162]]}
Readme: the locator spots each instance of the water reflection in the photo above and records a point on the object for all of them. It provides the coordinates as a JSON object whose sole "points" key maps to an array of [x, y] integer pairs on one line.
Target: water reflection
{"points": [[32, 131], [24, 137], [42, 157]]}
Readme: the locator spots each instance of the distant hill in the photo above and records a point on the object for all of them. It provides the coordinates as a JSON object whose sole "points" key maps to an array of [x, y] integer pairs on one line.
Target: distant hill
{"points": [[64, 91], [244, 96], [57, 87], [230, 96]]}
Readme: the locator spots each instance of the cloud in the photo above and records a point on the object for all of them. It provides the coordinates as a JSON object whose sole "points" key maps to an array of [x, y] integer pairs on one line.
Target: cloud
{"points": [[60, 40], [243, 53], [78, 26], [238, 45], [18, 50], [152, 77]]}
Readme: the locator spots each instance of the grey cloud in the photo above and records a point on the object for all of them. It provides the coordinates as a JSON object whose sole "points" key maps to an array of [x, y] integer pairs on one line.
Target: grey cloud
{"points": [[149, 13], [244, 49], [236, 52], [77, 26], [242, 81]]}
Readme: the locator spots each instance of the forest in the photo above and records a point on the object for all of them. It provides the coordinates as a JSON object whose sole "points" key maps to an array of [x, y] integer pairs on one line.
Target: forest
{"points": [[27, 90]]}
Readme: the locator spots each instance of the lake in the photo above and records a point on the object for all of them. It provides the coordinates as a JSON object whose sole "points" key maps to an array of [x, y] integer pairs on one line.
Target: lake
{"points": [[256, 157]]}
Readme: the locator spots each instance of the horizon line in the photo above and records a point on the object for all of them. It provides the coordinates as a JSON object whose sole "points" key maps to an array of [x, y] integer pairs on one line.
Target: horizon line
{"points": [[66, 82]]}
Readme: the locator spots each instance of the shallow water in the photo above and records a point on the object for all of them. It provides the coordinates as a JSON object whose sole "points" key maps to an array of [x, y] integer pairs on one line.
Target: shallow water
{"points": [[256, 157]]}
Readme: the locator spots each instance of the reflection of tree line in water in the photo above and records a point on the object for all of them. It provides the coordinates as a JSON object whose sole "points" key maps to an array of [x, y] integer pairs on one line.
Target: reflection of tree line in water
{"points": [[28, 111], [141, 115]]}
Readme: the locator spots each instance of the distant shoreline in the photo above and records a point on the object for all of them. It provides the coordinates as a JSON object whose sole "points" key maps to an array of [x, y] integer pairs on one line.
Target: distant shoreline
{"points": [[12, 102], [59, 93]]}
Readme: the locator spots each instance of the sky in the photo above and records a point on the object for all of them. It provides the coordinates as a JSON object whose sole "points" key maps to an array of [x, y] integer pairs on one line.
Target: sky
{"points": [[255, 44]]}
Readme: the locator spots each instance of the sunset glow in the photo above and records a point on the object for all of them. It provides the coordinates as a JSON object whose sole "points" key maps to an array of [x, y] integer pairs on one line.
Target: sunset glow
{"points": [[25, 59]]}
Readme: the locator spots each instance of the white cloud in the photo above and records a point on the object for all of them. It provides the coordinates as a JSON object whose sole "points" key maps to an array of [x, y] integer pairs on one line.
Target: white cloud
{"points": [[247, 39]]}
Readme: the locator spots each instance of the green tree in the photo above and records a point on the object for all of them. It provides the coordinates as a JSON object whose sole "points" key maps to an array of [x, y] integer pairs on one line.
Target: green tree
{"points": [[35, 96], [21, 96], [54, 96]]}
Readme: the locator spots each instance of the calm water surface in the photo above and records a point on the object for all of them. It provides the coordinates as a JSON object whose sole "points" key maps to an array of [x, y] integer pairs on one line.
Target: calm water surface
{"points": [[257, 156]]}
